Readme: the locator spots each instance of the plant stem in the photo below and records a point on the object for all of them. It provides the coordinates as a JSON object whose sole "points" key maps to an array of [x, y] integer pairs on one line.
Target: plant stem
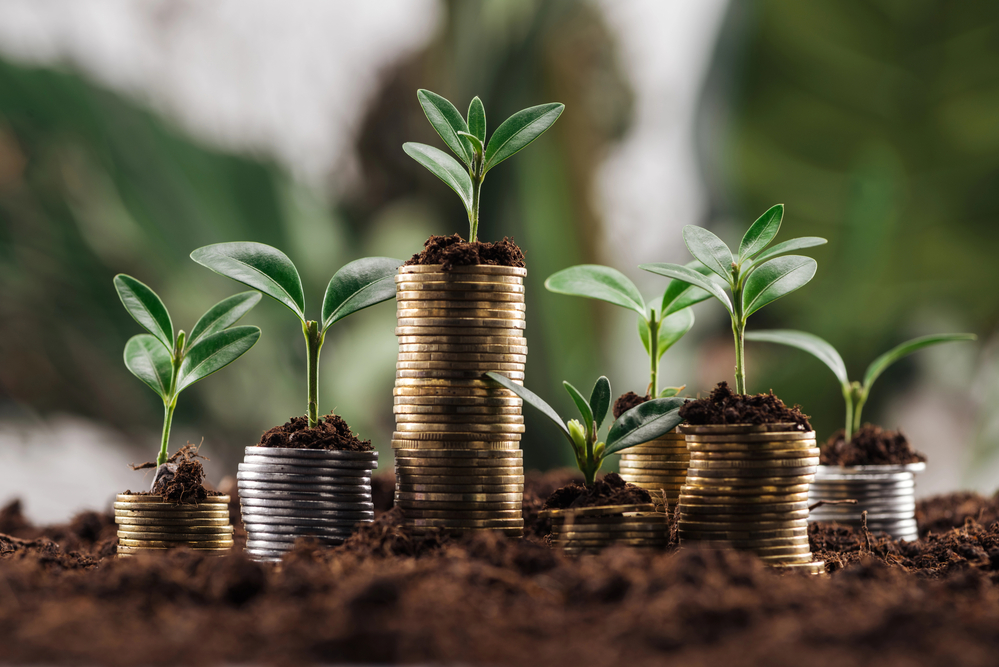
{"points": [[739, 331], [168, 409], [313, 343], [859, 397], [654, 324], [473, 217], [170, 403], [848, 431]]}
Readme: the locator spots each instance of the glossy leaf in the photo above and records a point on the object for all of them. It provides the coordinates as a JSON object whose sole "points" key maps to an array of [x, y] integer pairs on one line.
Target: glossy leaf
{"points": [[671, 330], [687, 275], [215, 352], [644, 422], [709, 250], [600, 399], [149, 361], [531, 399], [357, 285], [146, 307], [680, 295], [774, 279], [810, 343], [222, 315], [519, 130], [446, 120], [783, 247], [444, 167], [259, 266], [477, 119], [582, 405], [761, 233], [595, 281], [879, 365], [473, 143]]}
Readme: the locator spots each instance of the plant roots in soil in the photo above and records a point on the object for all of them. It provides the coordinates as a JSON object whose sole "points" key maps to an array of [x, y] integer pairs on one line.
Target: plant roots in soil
{"points": [[724, 406], [331, 432], [452, 251]]}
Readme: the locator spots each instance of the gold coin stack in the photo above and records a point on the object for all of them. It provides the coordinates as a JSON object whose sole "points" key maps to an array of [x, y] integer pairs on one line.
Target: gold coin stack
{"points": [[459, 466], [589, 530], [659, 466], [747, 489], [149, 523]]}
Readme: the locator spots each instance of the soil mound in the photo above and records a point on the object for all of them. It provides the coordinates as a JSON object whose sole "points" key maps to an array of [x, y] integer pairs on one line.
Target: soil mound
{"points": [[611, 490], [331, 433], [724, 406], [627, 401], [871, 445], [452, 251]]}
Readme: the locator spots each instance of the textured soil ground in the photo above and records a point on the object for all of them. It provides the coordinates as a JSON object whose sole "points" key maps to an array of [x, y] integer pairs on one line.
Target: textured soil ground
{"points": [[388, 597]]}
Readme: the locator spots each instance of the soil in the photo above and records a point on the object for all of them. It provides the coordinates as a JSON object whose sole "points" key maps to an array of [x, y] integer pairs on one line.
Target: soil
{"points": [[627, 401], [452, 251], [330, 432], [611, 490], [724, 406], [870, 445], [181, 479]]}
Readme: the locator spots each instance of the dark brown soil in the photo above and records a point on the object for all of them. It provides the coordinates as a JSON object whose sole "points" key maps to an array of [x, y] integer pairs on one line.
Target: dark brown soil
{"points": [[331, 432], [724, 406], [869, 446], [627, 401], [941, 513], [452, 251], [181, 479], [611, 490]]}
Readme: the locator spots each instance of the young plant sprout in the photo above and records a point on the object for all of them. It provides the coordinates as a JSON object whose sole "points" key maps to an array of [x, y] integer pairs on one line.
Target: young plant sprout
{"points": [[658, 331], [755, 276], [357, 285], [854, 393], [170, 363], [467, 139], [640, 424]]}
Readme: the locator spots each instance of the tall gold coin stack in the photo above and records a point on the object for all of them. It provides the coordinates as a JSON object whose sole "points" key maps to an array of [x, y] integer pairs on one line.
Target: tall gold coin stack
{"points": [[589, 530], [458, 461], [149, 523], [747, 488], [659, 466]]}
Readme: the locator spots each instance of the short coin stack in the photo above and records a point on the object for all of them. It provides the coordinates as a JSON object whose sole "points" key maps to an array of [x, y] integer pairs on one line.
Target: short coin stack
{"points": [[589, 530], [747, 488], [658, 466], [459, 465], [885, 492], [149, 523], [288, 493]]}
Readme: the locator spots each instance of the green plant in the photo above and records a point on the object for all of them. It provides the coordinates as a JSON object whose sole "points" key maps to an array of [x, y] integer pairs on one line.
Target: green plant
{"points": [[357, 285], [467, 138], [854, 393], [642, 423], [658, 331], [170, 363], [755, 276]]}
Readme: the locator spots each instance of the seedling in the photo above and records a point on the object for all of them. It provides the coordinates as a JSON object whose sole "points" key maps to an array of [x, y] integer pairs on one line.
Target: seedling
{"points": [[170, 363], [755, 276], [658, 331], [357, 285], [642, 423], [854, 393], [467, 139]]}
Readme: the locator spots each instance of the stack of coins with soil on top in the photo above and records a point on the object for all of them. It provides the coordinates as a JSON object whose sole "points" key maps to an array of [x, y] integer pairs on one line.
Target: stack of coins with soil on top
{"points": [[459, 466], [589, 530], [149, 523], [658, 466]]}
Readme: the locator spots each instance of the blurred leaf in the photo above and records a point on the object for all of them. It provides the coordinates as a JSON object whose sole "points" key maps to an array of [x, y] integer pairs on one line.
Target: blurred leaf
{"points": [[149, 361], [879, 365], [646, 421], [598, 282], [215, 352], [774, 279], [810, 343], [600, 399], [582, 405], [258, 266], [673, 328], [786, 246], [146, 307], [359, 284], [222, 315], [519, 130], [761, 233], [446, 120], [444, 167]]}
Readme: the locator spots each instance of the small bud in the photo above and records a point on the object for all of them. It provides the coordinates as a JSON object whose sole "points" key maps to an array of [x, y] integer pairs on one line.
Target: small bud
{"points": [[577, 433]]}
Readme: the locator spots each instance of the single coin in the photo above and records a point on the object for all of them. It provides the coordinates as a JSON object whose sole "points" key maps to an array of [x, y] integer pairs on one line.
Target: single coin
{"points": [[470, 410], [874, 471], [749, 448], [417, 418], [461, 497], [311, 454], [291, 495], [301, 472], [270, 545], [449, 278], [746, 473], [459, 454], [467, 357], [598, 511], [170, 507], [456, 445], [307, 480], [504, 335], [499, 320], [643, 452], [442, 374], [760, 499], [647, 467], [870, 506], [478, 366], [410, 429], [361, 487], [426, 392], [825, 494], [508, 459], [814, 568], [460, 515], [428, 385], [162, 524], [711, 464], [453, 295], [454, 480], [295, 532], [754, 545], [481, 475], [148, 499], [463, 338], [274, 464], [456, 402], [467, 523], [192, 538], [743, 535], [311, 504], [452, 313], [689, 507], [745, 432], [459, 506], [448, 305], [442, 437], [301, 513], [207, 544], [701, 490], [165, 516], [183, 529], [453, 348], [708, 524], [694, 480], [744, 519], [253, 518], [764, 455], [475, 269], [208, 551]]}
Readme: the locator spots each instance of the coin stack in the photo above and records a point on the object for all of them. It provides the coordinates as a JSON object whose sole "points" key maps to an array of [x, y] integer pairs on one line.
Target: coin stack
{"points": [[459, 466], [659, 466], [149, 523], [885, 492], [589, 530], [286, 493], [747, 488]]}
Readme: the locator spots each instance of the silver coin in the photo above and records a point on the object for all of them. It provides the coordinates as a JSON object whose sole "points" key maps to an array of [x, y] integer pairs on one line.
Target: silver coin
{"points": [[308, 513], [308, 468], [342, 477], [309, 505], [301, 452], [358, 496], [267, 544], [295, 532], [350, 485], [269, 554], [290, 522]]}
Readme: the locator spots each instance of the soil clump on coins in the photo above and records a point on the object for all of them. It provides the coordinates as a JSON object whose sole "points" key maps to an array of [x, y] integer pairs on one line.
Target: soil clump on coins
{"points": [[452, 251], [181, 479], [330, 433], [870, 445], [627, 401], [611, 490], [724, 406]]}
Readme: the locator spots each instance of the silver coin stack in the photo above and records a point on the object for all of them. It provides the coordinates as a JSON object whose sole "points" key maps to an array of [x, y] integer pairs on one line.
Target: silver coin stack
{"points": [[288, 493], [885, 492]]}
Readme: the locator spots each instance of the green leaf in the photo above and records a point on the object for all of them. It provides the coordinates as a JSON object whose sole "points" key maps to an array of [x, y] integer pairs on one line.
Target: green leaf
{"points": [[519, 130], [531, 399], [644, 422], [879, 365], [149, 361], [222, 315], [259, 266], [594, 281], [146, 307], [810, 343], [671, 330], [444, 167], [774, 279], [446, 120], [709, 250], [680, 295], [362, 283], [214, 353], [667, 392], [477, 119], [600, 399], [684, 274], [781, 248], [761, 233], [582, 405], [474, 145]]}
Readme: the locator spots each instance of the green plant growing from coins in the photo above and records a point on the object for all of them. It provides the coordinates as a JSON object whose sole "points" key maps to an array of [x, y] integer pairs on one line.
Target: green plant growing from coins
{"points": [[640, 424], [466, 137], [756, 276], [659, 331], [357, 285], [169, 363], [854, 393]]}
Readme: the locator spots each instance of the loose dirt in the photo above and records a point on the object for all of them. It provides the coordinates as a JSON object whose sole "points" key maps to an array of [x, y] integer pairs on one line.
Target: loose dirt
{"points": [[724, 406], [627, 401], [870, 445], [611, 490], [452, 251], [330, 432]]}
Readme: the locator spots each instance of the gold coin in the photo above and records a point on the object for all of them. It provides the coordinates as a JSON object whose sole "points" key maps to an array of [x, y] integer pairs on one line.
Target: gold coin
{"points": [[491, 480], [171, 515], [480, 475], [459, 505], [674, 480], [457, 402], [597, 511], [751, 447], [749, 482], [453, 374], [745, 499], [457, 445], [816, 567], [144, 499], [454, 438], [744, 535], [459, 462], [746, 473], [407, 418], [675, 467], [760, 516], [460, 323], [766, 455], [709, 524], [463, 357], [184, 529], [466, 523], [485, 411], [754, 545], [460, 488], [656, 450], [171, 507], [459, 314], [458, 514], [460, 304], [501, 335], [700, 507], [133, 551], [449, 278], [416, 391], [519, 352], [147, 521], [465, 340], [414, 496], [477, 269], [761, 434], [711, 463], [403, 427], [744, 490], [479, 296], [208, 544], [478, 366], [172, 537], [431, 454]]}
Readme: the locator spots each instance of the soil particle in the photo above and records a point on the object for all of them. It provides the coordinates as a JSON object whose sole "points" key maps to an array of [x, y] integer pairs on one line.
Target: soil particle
{"points": [[611, 490], [724, 406], [330, 432], [538, 486], [452, 251], [870, 445], [627, 401], [938, 514]]}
